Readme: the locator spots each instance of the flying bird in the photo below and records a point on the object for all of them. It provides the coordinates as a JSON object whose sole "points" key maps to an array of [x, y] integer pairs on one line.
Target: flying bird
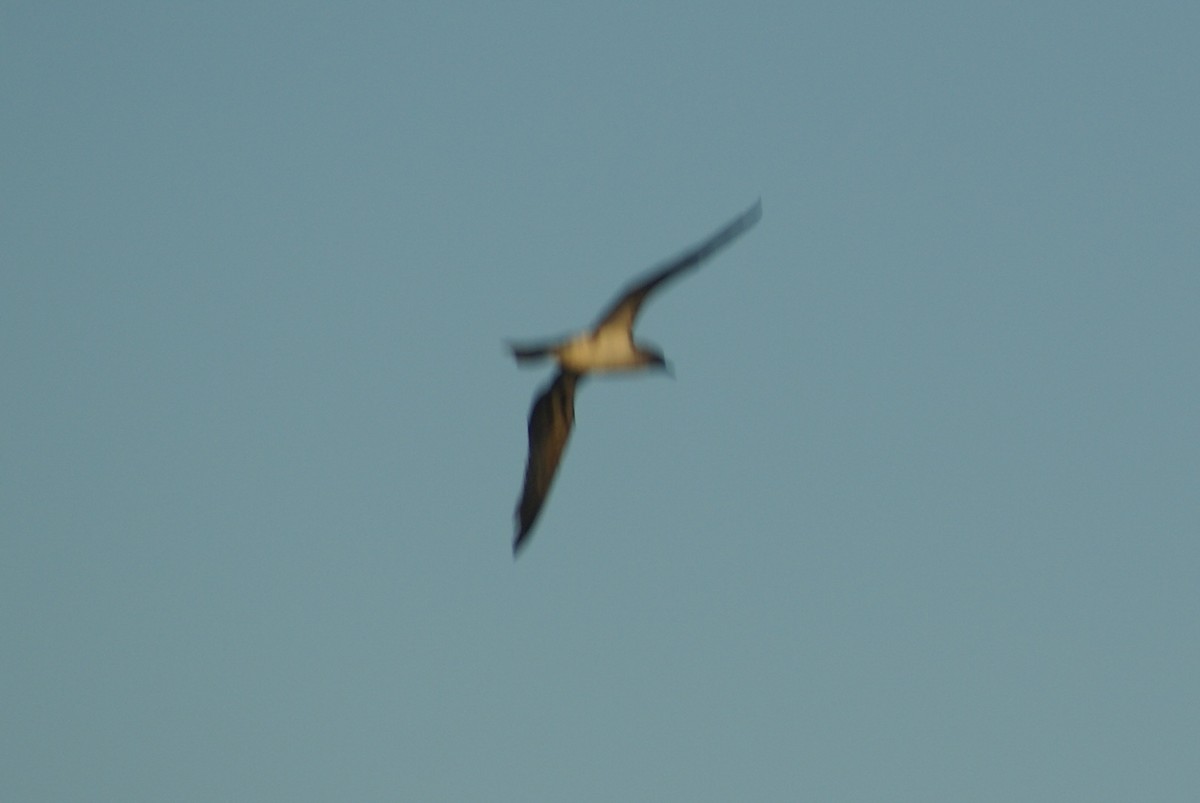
{"points": [[608, 346]]}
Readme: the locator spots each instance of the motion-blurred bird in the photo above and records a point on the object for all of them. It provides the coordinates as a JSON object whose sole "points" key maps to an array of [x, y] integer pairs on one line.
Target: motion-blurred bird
{"points": [[608, 346]]}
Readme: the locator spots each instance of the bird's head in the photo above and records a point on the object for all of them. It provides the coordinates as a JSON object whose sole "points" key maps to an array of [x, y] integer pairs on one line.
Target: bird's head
{"points": [[657, 362]]}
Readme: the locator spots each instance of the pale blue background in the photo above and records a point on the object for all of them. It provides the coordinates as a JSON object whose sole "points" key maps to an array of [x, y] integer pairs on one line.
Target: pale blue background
{"points": [[918, 519]]}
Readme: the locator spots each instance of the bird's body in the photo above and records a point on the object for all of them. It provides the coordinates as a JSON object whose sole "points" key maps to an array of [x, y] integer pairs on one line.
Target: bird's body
{"points": [[607, 347], [605, 350]]}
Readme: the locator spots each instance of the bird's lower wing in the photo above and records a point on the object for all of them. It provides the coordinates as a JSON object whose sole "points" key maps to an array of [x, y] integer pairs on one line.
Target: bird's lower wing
{"points": [[550, 423]]}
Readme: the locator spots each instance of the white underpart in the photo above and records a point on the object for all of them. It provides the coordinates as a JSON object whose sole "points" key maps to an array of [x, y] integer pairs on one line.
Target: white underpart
{"points": [[610, 349]]}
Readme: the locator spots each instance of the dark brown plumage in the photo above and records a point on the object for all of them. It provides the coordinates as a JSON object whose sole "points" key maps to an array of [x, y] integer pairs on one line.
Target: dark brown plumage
{"points": [[625, 309], [550, 423]]}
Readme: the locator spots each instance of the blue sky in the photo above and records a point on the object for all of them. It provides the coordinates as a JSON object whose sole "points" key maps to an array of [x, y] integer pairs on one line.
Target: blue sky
{"points": [[916, 520]]}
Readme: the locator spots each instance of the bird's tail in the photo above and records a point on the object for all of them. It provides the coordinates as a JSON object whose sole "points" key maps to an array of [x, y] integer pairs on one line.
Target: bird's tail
{"points": [[531, 352]]}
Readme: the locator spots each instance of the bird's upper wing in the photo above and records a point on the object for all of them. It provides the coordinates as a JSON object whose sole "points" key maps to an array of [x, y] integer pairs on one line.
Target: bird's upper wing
{"points": [[625, 308], [550, 423]]}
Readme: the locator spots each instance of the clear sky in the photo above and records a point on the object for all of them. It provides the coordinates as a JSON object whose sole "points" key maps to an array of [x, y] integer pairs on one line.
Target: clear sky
{"points": [[918, 519]]}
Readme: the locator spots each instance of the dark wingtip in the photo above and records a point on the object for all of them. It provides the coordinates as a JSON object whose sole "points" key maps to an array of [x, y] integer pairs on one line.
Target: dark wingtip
{"points": [[522, 531], [519, 543], [755, 211]]}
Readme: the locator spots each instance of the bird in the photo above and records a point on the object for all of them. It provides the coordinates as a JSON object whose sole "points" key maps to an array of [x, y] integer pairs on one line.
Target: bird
{"points": [[607, 347]]}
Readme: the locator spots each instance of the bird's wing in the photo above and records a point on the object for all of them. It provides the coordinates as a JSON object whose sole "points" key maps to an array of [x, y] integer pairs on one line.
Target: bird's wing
{"points": [[625, 308], [550, 423]]}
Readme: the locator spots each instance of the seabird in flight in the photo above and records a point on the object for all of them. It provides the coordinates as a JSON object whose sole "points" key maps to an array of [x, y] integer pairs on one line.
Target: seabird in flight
{"points": [[608, 346]]}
